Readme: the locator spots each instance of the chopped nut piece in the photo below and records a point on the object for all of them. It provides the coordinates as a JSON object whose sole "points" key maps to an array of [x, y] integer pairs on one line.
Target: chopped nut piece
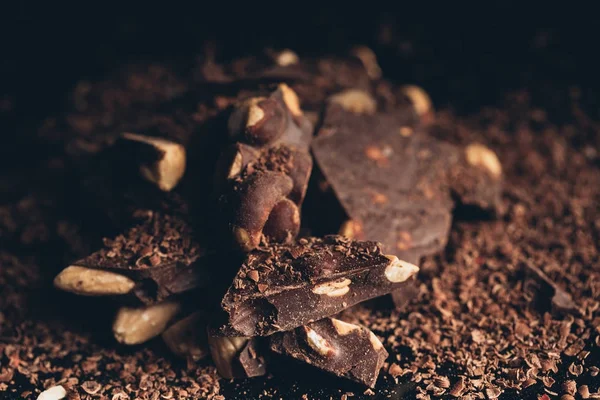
{"points": [[369, 60], [333, 289], [166, 166], [419, 99], [343, 328], [92, 282], [286, 58], [356, 101], [318, 343], [480, 156], [138, 325], [291, 100], [398, 270], [352, 229]]}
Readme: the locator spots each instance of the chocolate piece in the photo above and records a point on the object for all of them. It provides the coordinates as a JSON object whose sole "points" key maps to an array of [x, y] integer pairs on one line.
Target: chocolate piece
{"points": [[281, 287], [236, 357], [159, 258], [343, 349], [382, 175], [395, 182], [548, 295], [262, 179]]}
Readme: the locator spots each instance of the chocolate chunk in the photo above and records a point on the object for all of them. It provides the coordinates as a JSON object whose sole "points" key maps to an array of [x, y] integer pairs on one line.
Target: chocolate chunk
{"points": [[343, 349], [308, 280], [381, 173], [236, 357], [395, 181], [262, 179], [547, 294], [156, 259]]}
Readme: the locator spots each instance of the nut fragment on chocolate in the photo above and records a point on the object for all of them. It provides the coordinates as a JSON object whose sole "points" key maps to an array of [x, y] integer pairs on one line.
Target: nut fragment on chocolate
{"points": [[236, 357], [160, 257], [286, 58], [355, 101], [263, 177], [138, 325], [92, 282], [187, 337], [480, 156], [161, 161], [420, 100], [343, 349], [369, 60], [308, 280]]}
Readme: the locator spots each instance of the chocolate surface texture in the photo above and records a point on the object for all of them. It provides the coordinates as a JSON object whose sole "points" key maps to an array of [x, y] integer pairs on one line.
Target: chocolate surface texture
{"points": [[281, 287]]}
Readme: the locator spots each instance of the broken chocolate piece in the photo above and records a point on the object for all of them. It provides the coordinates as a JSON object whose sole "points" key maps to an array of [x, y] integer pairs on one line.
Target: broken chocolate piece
{"points": [[281, 287], [138, 325], [383, 179], [262, 179], [544, 289], [343, 349], [236, 357], [159, 258]]}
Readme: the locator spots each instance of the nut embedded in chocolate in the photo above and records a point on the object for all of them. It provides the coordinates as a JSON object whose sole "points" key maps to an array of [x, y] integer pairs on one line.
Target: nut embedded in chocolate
{"points": [[187, 337], [343, 349], [480, 156], [355, 101], [53, 393], [236, 357], [286, 57], [369, 61], [420, 100], [307, 280], [162, 162], [138, 325], [92, 282]]}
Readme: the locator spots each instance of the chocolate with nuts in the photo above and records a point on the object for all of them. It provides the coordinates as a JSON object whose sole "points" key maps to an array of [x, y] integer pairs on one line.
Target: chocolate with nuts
{"points": [[343, 349], [281, 287], [395, 182], [154, 260], [262, 178]]}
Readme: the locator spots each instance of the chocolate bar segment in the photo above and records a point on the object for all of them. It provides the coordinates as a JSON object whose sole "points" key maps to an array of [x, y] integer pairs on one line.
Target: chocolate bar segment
{"points": [[343, 349], [156, 259], [281, 287], [382, 174]]}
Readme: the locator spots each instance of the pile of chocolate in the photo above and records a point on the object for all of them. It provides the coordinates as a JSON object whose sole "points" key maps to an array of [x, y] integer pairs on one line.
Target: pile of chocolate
{"points": [[206, 240]]}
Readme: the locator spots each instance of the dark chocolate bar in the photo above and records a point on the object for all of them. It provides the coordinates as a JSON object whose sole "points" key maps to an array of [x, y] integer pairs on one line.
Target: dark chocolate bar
{"points": [[381, 172], [154, 260], [396, 183], [281, 287], [343, 349], [263, 177]]}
